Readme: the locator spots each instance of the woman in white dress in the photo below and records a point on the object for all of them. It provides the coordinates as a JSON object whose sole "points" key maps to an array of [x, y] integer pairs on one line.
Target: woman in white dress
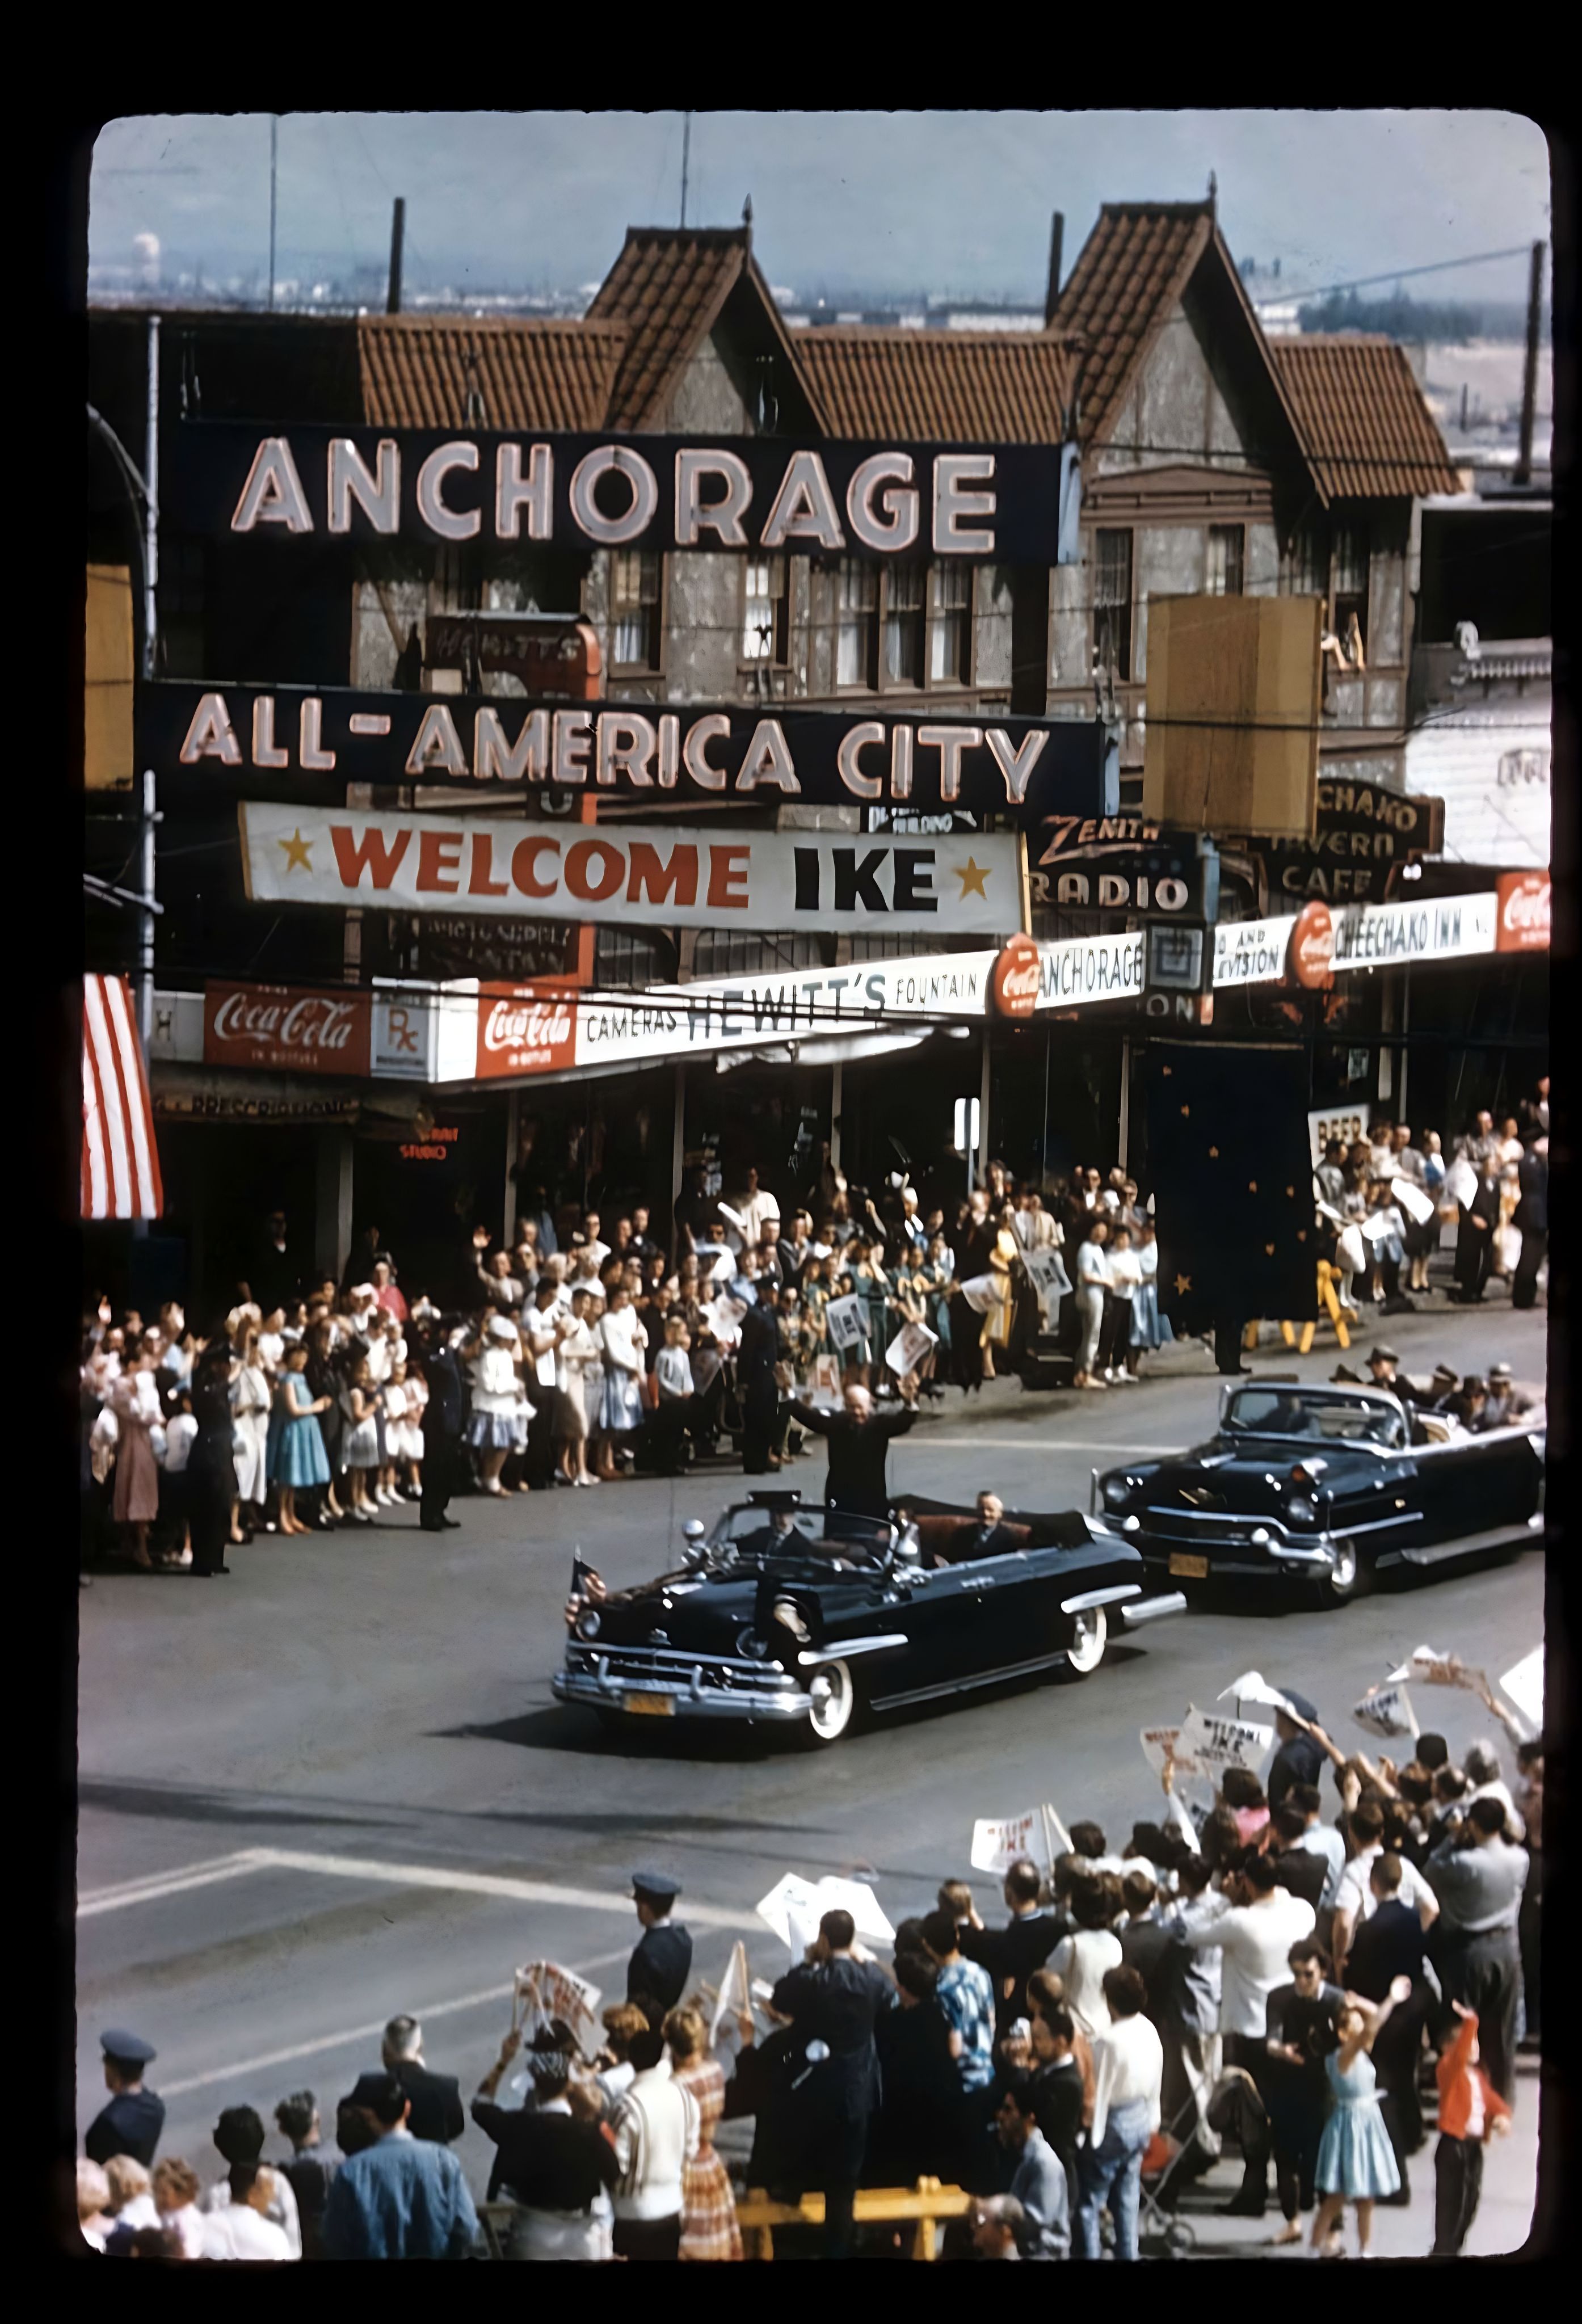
{"points": [[577, 1351], [593, 1383], [250, 1403], [392, 1436], [1126, 1279], [623, 1341], [405, 1438], [492, 1431]]}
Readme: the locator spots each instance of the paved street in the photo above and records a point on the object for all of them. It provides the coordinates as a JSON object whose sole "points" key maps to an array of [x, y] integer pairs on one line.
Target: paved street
{"points": [[336, 1784]]}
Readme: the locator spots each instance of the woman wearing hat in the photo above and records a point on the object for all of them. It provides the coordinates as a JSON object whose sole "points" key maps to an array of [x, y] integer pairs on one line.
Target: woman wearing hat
{"points": [[555, 2165]]}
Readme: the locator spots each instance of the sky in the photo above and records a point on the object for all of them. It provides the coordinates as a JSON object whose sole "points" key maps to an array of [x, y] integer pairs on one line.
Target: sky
{"points": [[953, 203]]}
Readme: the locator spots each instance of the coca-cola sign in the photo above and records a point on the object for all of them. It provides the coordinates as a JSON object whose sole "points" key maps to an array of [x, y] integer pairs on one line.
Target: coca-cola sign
{"points": [[1017, 978], [524, 1031], [285, 1027], [1524, 912], [1310, 962]]}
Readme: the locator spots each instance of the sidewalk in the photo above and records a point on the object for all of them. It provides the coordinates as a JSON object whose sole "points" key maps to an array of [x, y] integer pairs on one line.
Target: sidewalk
{"points": [[1504, 2222]]}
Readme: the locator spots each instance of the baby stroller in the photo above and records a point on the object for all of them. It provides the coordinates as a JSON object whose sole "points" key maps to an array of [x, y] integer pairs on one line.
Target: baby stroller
{"points": [[1162, 2168]]}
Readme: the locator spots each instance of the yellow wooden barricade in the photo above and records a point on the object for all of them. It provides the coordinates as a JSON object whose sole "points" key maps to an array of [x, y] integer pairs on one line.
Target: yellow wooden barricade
{"points": [[926, 2205]]}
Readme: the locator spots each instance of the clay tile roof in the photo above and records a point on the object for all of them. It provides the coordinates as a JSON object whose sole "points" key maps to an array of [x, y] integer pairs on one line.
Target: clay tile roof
{"points": [[666, 287], [962, 387], [1133, 268], [416, 372], [1366, 430]]}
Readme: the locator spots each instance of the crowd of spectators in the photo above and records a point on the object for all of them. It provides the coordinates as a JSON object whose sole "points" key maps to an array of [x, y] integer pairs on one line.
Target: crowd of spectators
{"points": [[1262, 1971]]}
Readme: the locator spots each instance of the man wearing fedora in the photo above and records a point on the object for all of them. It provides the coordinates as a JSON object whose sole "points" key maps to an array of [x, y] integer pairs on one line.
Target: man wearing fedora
{"points": [[661, 1961]]}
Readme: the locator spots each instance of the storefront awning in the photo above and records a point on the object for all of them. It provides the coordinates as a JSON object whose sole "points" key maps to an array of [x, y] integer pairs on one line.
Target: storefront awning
{"points": [[120, 1159]]}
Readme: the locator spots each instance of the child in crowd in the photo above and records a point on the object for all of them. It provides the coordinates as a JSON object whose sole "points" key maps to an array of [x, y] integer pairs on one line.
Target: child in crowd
{"points": [[1471, 2113]]}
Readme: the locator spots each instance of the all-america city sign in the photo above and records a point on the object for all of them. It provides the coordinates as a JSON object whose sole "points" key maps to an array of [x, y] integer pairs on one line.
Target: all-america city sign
{"points": [[637, 491]]}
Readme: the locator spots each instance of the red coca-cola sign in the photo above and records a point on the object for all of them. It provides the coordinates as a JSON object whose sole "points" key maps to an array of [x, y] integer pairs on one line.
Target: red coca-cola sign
{"points": [[524, 1031], [1524, 912], [1310, 961], [286, 1027], [1015, 981]]}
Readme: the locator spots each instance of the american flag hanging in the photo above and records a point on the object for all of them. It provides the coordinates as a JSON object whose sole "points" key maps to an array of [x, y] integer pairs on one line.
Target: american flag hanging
{"points": [[120, 1160]]}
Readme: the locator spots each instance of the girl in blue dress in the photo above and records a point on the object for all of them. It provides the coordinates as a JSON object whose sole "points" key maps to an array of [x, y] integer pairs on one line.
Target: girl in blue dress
{"points": [[297, 1461], [1356, 2163]]}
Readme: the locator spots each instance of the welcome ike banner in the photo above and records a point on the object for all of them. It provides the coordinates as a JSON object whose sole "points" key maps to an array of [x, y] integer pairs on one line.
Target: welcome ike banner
{"points": [[664, 876]]}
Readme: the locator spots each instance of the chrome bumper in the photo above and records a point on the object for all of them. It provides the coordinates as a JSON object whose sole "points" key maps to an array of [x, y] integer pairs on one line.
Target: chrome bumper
{"points": [[1235, 1550], [748, 1692]]}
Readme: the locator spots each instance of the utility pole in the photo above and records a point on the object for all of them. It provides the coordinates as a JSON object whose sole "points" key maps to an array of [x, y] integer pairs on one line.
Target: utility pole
{"points": [[397, 237], [1529, 370], [1052, 292], [274, 142], [686, 158]]}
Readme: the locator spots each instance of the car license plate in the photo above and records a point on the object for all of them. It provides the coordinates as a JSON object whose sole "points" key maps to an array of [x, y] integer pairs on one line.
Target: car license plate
{"points": [[1190, 1569], [652, 1706]]}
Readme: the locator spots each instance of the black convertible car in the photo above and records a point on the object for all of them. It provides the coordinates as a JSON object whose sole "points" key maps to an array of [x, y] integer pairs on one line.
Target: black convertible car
{"points": [[1327, 1485], [794, 1617]]}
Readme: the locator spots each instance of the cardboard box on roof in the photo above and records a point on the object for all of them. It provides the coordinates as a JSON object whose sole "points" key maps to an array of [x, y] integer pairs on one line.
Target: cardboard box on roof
{"points": [[107, 671], [1234, 692]]}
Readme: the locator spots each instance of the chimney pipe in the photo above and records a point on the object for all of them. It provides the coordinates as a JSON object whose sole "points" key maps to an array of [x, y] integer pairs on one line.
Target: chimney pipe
{"points": [[1530, 369], [397, 234], [1052, 295]]}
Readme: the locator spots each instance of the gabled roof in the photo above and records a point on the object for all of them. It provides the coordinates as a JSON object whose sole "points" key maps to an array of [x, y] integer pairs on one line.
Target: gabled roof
{"points": [[417, 371], [962, 387], [1365, 425], [1130, 273], [669, 287], [1130, 278]]}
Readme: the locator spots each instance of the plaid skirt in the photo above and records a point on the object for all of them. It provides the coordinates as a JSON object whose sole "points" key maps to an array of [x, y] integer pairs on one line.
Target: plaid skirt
{"points": [[708, 2229]]}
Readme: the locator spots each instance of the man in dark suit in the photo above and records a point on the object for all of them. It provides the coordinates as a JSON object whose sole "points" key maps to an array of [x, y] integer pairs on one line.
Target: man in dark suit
{"points": [[1300, 1869], [1300, 1760], [436, 2112], [1475, 1238], [755, 1361], [132, 2122], [660, 1965], [1387, 1945], [858, 1439], [1531, 1220], [1011, 1954], [833, 2001], [442, 1423], [274, 1271]]}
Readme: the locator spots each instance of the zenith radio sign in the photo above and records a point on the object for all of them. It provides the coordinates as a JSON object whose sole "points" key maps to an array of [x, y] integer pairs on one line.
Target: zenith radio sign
{"points": [[639, 491]]}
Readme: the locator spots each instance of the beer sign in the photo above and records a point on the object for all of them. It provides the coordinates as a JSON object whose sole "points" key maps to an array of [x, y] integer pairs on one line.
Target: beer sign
{"points": [[278, 1027]]}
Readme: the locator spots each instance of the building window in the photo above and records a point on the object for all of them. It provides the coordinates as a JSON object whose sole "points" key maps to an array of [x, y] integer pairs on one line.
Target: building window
{"points": [[1112, 602], [729, 953], [857, 622], [766, 611], [951, 625], [1349, 586], [635, 595], [905, 601], [1305, 565], [629, 960], [1225, 545]]}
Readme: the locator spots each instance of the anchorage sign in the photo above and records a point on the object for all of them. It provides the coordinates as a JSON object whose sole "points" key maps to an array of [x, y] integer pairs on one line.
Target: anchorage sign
{"points": [[638, 492], [663, 876]]}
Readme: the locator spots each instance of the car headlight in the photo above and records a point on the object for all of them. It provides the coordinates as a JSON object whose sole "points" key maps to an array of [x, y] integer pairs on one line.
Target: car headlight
{"points": [[1300, 1511], [587, 1623], [1115, 1490]]}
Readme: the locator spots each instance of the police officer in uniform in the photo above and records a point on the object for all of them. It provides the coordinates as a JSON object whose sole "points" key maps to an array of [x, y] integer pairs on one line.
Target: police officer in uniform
{"points": [[657, 1973], [132, 2122]]}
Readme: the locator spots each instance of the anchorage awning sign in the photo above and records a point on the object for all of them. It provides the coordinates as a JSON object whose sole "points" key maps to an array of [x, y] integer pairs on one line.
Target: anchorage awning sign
{"points": [[758, 492], [243, 739], [665, 876]]}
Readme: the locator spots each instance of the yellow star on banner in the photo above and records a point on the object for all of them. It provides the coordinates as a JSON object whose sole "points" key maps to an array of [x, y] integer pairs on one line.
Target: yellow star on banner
{"points": [[972, 875], [1213, 1154], [1291, 1194], [1186, 1110], [1183, 1284], [296, 848], [1269, 1250], [1252, 1186]]}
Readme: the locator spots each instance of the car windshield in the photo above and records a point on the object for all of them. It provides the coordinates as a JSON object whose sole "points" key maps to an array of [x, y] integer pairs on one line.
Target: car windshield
{"points": [[1312, 1415], [751, 1531]]}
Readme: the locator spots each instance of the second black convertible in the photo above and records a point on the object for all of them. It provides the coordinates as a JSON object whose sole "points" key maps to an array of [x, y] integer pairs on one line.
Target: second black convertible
{"points": [[1327, 1486], [794, 1617]]}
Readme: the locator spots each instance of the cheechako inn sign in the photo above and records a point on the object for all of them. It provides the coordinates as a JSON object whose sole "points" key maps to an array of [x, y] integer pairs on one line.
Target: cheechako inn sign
{"points": [[1000, 503], [316, 742]]}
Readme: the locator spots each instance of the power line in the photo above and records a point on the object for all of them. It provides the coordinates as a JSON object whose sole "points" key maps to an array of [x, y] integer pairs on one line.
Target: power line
{"points": [[1400, 274]]}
